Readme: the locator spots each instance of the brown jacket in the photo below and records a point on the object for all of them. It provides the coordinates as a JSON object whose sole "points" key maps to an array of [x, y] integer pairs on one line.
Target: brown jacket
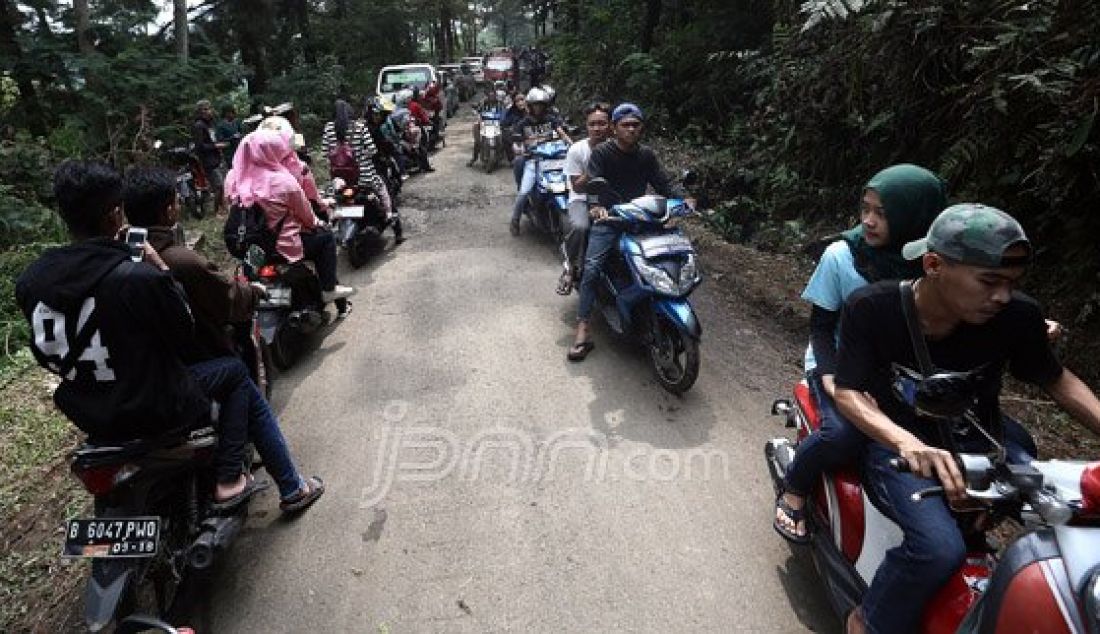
{"points": [[217, 300]]}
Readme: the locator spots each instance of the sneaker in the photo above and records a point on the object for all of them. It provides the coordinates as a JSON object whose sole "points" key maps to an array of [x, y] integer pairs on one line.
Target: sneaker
{"points": [[339, 292], [514, 227]]}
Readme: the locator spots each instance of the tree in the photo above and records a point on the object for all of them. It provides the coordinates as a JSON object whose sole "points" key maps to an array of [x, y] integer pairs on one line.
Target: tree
{"points": [[181, 28], [83, 25]]}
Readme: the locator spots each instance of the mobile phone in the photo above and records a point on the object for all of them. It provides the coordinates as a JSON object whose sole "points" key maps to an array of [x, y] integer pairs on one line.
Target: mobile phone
{"points": [[135, 239]]}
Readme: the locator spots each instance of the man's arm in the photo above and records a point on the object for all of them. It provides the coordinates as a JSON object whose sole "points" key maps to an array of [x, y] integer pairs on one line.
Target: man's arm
{"points": [[1071, 393]]}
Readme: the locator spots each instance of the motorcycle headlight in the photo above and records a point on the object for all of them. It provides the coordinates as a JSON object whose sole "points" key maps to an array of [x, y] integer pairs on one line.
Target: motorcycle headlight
{"points": [[656, 277], [491, 131], [689, 273], [557, 187]]}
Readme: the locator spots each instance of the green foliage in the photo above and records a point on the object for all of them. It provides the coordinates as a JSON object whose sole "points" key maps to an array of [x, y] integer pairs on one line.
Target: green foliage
{"points": [[14, 332]]}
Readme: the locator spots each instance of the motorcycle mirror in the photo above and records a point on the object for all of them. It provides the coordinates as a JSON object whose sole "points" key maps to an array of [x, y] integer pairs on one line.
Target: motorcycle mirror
{"points": [[157, 144]]}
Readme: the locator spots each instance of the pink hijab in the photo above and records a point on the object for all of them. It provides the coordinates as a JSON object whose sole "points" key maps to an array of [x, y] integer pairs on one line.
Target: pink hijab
{"points": [[260, 171]]}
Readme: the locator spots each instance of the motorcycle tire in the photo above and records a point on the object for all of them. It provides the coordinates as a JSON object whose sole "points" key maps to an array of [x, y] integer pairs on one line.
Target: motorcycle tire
{"points": [[284, 348], [198, 209], [155, 589], [673, 355], [358, 252]]}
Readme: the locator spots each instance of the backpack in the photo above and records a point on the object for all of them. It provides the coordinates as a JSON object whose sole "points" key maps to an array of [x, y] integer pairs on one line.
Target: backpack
{"points": [[342, 163], [247, 226]]}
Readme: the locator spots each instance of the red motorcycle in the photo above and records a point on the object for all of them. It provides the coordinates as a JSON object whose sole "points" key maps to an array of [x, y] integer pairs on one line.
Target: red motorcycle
{"points": [[1046, 580]]}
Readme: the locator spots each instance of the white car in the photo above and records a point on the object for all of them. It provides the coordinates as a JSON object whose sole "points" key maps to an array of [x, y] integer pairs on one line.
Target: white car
{"points": [[393, 79], [475, 66]]}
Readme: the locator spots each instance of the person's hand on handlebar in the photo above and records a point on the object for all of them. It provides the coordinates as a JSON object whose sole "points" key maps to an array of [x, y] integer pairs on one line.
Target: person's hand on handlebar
{"points": [[930, 462], [598, 213]]}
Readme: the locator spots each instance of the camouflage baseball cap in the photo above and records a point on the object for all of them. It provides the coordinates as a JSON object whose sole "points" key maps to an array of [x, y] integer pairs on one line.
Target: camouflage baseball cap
{"points": [[974, 234]]}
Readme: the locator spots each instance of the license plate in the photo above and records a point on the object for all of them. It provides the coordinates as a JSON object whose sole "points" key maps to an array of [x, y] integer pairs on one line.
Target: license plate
{"points": [[665, 244], [277, 296], [352, 211], [112, 537], [553, 164]]}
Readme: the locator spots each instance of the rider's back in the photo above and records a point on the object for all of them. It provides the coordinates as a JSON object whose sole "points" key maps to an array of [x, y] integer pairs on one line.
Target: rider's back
{"points": [[130, 380]]}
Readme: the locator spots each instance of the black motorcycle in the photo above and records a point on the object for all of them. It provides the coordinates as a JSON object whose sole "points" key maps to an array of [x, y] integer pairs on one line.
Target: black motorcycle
{"points": [[192, 184], [153, 524], [360, 221]]}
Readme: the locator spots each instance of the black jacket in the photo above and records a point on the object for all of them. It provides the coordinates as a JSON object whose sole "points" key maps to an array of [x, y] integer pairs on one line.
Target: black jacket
{"points": [[130, 380], [202, 135]]}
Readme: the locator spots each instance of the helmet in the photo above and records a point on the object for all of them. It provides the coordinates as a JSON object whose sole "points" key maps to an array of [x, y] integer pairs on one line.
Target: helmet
{"points": [[537, 95], [550, 93], [403, 97]]}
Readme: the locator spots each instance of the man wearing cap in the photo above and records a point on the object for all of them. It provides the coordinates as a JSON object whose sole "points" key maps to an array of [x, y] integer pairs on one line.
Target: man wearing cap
{"points": [[972, 320], [629, 168]]}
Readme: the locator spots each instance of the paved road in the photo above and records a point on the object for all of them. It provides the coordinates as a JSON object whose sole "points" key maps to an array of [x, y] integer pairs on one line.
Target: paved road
{"points": [[479, 482]]}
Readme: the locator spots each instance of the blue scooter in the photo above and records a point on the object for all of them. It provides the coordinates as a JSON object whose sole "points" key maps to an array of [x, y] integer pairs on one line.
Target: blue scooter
{"points": [[547, 204], [643, 288]]}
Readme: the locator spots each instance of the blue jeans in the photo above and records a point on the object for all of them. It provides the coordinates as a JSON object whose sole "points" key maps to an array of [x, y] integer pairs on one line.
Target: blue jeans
{"points": [[602, 241], [526, 184], [836, 444], [932, 548], [245, 414], [517, 169]]}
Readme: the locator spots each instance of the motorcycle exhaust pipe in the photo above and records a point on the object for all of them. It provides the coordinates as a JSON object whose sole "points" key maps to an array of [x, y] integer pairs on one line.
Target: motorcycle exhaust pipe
{"points": [[216, 536]]}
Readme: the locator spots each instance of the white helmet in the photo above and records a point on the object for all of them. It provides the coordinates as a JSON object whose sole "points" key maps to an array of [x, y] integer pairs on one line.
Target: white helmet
{"points": [[537, 95], [403, 97], [550, 93]]}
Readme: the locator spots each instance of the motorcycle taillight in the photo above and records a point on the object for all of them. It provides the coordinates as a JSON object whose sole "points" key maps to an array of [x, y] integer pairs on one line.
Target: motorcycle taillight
{"points": [[268, 271], [101, 479]]}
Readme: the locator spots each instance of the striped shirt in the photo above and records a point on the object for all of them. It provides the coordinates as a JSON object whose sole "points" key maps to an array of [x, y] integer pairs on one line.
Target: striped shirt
{"points": [[362, 145]]}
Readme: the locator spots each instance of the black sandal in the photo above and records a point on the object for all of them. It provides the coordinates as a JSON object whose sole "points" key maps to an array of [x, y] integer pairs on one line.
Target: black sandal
{"points": [[315, 488], [796, 516], [250, 489], [579, 351]]}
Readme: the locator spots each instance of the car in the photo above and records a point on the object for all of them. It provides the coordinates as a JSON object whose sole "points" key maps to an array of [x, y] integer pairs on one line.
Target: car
{"points": [[500, 66], [393, 79], [475, 68]]}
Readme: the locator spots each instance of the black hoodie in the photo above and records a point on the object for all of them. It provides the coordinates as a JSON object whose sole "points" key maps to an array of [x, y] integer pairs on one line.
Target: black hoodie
{"points": [[130, 381]]}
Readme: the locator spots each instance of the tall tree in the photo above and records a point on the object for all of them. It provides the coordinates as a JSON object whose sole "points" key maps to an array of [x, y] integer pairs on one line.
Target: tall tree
{"points": [[181, 28], [12, 54], [83, 25], [649, 26]]}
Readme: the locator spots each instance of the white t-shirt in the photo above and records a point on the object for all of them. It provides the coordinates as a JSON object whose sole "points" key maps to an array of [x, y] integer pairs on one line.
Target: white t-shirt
{"points": [[576, 160]]}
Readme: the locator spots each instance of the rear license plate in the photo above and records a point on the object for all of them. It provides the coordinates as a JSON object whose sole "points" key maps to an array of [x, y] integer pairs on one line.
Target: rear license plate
{"points": [[552, 164], [112, 537], [352, 211], [277, 296]]}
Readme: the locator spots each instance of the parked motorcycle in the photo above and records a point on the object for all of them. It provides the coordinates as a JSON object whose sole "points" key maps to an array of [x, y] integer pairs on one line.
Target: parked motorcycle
{"points": [[387, 167], [643, 290], [548, 203], [1047, 580], [359, 221], [491, 141], [191, 183], [153, 524]]}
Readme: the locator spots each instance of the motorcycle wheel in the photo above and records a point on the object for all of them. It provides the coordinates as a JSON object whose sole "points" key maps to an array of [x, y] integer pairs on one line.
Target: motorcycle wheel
{"points": [[491, 160], [673, 355], [155, 589], [198, 209], [357, 252], [284, 347]]}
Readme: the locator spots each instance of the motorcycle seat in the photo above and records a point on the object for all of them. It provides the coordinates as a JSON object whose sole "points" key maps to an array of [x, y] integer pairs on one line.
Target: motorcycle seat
{"points": [[96, 452]]}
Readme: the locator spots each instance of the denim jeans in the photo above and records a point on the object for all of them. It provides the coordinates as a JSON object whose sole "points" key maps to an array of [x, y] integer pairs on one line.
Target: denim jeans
{"points": [[319, 246], [932, 548], [837, 443], [517, 169], [245, 414], [576, 234], [526, 185], [602, 240]]}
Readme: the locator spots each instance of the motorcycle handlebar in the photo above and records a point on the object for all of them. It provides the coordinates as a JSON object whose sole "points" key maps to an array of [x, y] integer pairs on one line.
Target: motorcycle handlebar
{"points": [[901, 465]]}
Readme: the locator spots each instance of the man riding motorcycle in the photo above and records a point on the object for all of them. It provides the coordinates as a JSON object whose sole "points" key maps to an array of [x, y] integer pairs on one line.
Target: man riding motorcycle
{"points": [[536, 127], [969, 319], [108, 318], [491, 103], [597, 120], [629, 167]]}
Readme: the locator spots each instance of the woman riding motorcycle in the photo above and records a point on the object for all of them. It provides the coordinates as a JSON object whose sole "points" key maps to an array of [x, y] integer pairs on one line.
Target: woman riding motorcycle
{"points": [[261, 176]]}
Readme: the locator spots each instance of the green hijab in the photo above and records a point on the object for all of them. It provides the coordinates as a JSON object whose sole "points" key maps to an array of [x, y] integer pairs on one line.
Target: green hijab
{"points": [[912, 197]]}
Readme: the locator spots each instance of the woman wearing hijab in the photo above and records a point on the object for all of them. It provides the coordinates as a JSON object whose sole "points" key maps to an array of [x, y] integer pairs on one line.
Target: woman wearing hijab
{"points": [[267, 173], [898, 205], [345, 129]]}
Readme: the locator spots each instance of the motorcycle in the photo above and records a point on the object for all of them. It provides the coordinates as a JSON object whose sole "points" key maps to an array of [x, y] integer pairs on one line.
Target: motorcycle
{"points": [[153, 524], [548, 203], [643, 290], [1047, 580], [293, 308], [387, 167], [191, 183], [359, 222], [491, 141]]}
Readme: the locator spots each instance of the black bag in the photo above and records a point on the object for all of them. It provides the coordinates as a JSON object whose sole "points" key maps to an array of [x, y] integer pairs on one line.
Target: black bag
{"points": [[247, 226]]}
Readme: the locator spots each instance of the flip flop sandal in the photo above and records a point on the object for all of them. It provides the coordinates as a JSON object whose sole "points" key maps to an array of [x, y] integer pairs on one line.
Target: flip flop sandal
{"points": [[579, 351], [796, 516], [315, 488], [252, 488], [565, 284]]}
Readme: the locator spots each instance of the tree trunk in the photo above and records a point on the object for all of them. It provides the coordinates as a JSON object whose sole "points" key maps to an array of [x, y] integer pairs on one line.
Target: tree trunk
{"points": [[252, 21], [83, 25], [652, 17], [10, 21], [181, 28]]}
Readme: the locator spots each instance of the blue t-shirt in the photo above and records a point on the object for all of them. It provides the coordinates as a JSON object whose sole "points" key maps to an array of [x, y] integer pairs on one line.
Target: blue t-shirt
{"points": [[834, 279]]}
